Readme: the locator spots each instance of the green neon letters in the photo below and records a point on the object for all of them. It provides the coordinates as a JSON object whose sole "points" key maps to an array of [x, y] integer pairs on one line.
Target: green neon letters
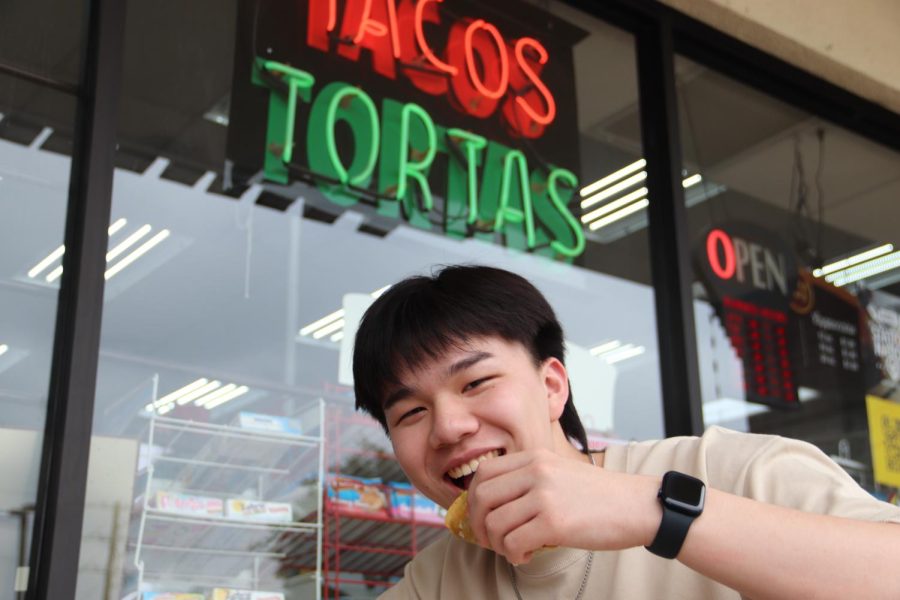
{"points": [[489, 188], [342, 102]]}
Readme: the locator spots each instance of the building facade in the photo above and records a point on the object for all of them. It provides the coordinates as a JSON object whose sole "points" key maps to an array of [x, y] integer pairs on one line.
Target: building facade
{"points": [[200, 200]]}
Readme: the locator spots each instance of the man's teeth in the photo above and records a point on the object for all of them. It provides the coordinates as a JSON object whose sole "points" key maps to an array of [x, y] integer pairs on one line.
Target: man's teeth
{"points": [[471, 466]]}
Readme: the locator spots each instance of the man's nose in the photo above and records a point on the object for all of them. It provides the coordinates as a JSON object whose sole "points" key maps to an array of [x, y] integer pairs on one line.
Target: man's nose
{"points": [[452, 422]]}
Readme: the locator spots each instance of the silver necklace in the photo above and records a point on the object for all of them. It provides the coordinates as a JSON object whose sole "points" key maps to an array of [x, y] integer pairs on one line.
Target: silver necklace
{"points": [[587, 567]]}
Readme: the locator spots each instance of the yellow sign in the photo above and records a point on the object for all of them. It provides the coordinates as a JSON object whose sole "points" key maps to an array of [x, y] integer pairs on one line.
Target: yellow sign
{"points": [[884, 435]]}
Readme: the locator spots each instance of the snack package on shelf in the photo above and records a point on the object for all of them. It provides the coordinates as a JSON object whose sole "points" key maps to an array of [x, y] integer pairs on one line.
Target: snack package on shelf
{"points": [[269, 423], [256, 510], [357, 495], [409, 504], [171, 596], [231, 594], [188, 504]]}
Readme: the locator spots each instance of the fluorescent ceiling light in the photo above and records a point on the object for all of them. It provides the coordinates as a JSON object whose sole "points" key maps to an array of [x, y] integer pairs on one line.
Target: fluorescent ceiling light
{"points": [[853, 260], [329, 329], [332, 324], [200, 391], [865, 270], [173, 396], [46, 262], [140, 251], [3, 349], [338, 314], [624, 353], [691, 181], [614, 205], [615, 189], [613, 177], [614, 351], [206, 398], [115, 227], [54, 274], [128, 242], [112, 254], [620, 214], [240, 391], [605, 347]]}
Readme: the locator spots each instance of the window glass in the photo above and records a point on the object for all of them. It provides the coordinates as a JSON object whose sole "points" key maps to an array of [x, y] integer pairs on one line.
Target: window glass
{"points": [[35, 133], [227, 454], [44, 38], [797, 291]]}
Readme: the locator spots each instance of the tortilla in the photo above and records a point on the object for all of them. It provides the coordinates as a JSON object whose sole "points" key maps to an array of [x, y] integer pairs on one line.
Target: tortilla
{"points": [[457, 519]]}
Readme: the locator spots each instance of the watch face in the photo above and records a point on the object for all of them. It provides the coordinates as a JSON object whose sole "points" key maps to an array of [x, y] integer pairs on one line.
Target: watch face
{"points": [[683, 491]]}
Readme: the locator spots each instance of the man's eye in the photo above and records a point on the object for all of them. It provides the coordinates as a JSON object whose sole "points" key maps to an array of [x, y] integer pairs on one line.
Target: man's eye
{"points": [[409, 413], [474, 384]]}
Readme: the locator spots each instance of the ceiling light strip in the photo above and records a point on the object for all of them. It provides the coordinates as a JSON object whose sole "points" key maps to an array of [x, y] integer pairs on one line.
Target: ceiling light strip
{"points": [[612, 191], [54, 274], [46, 262], [605, 347], [691, 181], [115, 227], [201, 391], [853, 260], [614, 205], [865, 271], [620, 214], [3, 349], [329, 329], [56, 254], [128, 242], [227, 397], [140, 251], [613, 177], [625, 355], [866, 266], [338, 314], [173, 396], [205, 399]]}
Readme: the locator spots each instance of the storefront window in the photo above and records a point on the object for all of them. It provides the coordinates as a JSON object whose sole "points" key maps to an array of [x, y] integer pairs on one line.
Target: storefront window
{"points": [[257, 193], [43, 38], [793, 222], [35, 126]]}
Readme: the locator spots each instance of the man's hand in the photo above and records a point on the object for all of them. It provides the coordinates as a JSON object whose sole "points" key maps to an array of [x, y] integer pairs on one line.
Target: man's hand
{"points": [[521, 502]]}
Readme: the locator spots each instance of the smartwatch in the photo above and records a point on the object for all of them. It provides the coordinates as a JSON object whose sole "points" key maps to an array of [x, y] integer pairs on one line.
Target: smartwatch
{"points": [[682, 498]]}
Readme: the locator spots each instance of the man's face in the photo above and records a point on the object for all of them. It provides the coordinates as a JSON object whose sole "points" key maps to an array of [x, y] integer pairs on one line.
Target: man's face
{"points": [[484, 399]]}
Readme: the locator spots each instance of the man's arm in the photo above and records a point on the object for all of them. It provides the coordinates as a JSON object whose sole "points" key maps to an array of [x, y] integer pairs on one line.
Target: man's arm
{"points": [[766, 551], [527, 500]]}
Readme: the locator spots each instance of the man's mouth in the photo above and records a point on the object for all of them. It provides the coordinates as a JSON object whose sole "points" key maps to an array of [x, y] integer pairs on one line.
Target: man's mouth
{"points": [[461, 476]]}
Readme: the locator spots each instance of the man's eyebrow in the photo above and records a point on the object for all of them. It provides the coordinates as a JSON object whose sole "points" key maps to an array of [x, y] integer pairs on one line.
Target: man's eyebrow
{"points": [[395, 397], [467, 362]]}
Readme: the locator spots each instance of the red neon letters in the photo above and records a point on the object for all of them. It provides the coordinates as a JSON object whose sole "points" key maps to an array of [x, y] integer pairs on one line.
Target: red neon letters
{"points": [[716, 237], [479, 71]]}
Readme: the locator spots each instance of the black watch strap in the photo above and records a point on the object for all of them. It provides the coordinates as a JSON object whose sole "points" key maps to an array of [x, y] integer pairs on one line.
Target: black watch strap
{"points": [[672, 531]]}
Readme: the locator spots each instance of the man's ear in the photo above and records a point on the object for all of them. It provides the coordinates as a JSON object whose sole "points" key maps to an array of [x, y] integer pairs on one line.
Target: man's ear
{"points": [[556, 383]]}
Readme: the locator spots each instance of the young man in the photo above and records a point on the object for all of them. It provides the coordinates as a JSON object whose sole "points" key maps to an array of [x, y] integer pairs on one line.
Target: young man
{"points": [[465, 371]]}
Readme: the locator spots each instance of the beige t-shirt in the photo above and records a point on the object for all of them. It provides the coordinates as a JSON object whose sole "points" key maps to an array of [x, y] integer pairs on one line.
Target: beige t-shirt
{"points": [[766, 468]]}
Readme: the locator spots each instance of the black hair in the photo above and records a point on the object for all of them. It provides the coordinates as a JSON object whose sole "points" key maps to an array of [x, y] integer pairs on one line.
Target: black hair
{"points": [[421, 318]]}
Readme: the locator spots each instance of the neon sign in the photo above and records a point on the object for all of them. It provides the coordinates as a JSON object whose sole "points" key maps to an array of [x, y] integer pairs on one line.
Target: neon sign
{"points": [[746, 261], [481, 66], [478, 147], [749, 273]]}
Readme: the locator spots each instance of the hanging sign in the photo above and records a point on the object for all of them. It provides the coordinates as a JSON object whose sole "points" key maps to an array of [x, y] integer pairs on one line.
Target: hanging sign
{"points": [[453, 115], [827, 324], [749, 273]]}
